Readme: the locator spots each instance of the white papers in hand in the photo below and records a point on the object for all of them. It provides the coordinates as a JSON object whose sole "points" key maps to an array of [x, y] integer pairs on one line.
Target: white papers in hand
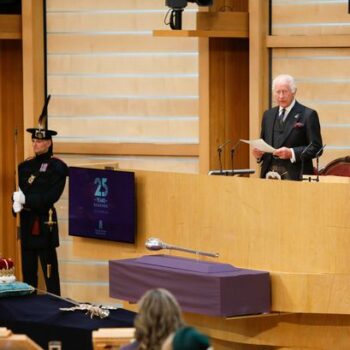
{"points": [[261, 145]]}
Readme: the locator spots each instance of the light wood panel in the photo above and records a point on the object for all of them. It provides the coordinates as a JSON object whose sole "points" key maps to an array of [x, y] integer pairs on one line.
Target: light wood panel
{"points": [[258, 69], [285, 331], [161, 163], [134, 64], [196, 33], [68, 5], [141, 149], [337, 67], [123, 106], [323, 88], [237, 22], [78, 43], [310, 18], [307, 41], [83, 271], [18, 342], [103, 129], [121, 86], [112, 22], [112, 337], [115, 83], [332, 112]]}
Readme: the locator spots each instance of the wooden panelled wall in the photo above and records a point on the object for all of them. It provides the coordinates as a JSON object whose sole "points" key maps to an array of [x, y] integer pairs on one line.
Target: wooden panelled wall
{"points": [[98, 64], [118, 93], [321, 66], [11, 124]]}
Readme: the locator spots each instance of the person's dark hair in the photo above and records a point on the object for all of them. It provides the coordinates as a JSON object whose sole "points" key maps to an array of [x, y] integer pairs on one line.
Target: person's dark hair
{"points": [[159, 315]]}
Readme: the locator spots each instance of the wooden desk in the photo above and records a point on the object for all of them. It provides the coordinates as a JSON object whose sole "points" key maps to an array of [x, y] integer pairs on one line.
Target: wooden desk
{"points": [[11, 341], [106, 338]]}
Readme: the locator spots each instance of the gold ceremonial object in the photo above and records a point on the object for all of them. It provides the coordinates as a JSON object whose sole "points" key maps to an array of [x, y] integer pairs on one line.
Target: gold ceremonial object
{"points": [[50, 223], [48, 270]]}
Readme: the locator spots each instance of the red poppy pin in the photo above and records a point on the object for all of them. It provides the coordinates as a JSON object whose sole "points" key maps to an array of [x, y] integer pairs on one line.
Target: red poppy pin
{"points": [[298, 125]]}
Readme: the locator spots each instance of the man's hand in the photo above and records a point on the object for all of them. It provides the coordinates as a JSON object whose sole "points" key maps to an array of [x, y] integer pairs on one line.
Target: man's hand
{"points": [[257, 153], [19, 197], [17, 207], [283, 153]]}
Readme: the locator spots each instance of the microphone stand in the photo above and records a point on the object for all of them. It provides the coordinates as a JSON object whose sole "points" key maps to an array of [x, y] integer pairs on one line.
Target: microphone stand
{"points": [[302, 168], [318, 163], [220, 161], [233, 150], [302, 157], [220, 148]]}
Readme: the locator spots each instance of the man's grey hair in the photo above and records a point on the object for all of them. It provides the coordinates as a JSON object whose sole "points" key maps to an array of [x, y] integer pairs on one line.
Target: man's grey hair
{"points": [[285, 79]]}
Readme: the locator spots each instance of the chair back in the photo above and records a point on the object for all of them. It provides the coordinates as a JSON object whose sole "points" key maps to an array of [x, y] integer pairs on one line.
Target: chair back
{"points": [[338, 167]]}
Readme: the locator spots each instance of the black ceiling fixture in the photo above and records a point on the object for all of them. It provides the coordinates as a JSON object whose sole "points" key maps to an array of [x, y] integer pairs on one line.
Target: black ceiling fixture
{"points": [[177, 7]]}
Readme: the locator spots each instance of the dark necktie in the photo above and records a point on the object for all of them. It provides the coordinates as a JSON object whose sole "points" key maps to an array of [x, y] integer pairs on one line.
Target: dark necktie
{"points": [[281, 117]]}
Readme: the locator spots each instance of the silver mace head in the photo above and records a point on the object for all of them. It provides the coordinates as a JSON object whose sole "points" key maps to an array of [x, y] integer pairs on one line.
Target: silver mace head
{"points": [[156, 244]]}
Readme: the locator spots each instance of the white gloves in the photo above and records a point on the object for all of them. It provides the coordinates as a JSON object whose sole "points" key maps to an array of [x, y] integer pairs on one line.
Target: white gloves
{"points": [[18, 200], [19, 197], [17, 207]]}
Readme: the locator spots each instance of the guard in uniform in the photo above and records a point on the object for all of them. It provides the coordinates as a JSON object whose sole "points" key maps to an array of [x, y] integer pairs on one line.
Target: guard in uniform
{"points": [[42, 180]]}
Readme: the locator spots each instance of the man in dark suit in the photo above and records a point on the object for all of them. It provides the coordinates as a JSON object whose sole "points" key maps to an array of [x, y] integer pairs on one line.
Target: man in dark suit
{"points": [[293, 130], [42, 180]]}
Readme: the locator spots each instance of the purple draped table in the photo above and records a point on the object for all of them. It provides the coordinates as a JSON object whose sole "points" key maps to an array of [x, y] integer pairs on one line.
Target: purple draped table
{"points": [[201, 287]]}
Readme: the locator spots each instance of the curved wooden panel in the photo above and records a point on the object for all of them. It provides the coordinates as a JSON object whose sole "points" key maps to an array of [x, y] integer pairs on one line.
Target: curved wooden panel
{"points": [[231, 216]]}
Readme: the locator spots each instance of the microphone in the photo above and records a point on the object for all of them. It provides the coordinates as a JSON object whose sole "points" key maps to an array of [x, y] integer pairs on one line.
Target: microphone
{"points": [[305, 149], [320, 151], [219, 150], [233, 150], [156, 244], [221, 147], [318, 162], [302, 157]]}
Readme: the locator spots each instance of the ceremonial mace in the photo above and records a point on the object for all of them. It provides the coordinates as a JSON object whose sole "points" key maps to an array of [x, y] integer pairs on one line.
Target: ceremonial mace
{"points": [[18, 221], [156, 244]]}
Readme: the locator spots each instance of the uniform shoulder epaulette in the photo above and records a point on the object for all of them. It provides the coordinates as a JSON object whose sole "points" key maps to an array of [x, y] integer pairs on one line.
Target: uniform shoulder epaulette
{"points": [[57, 158], [29, 158]]}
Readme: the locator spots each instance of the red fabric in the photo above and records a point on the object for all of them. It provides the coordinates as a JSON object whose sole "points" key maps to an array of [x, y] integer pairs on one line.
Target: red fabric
{"points": [[36, 227]]}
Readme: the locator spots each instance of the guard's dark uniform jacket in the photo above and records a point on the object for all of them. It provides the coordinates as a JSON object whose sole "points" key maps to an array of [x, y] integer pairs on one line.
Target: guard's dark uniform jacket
{"points": [[42, 180]]}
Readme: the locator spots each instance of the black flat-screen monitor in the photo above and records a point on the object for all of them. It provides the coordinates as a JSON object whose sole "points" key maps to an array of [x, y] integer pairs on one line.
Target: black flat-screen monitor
{"points": [[102, 204]]}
